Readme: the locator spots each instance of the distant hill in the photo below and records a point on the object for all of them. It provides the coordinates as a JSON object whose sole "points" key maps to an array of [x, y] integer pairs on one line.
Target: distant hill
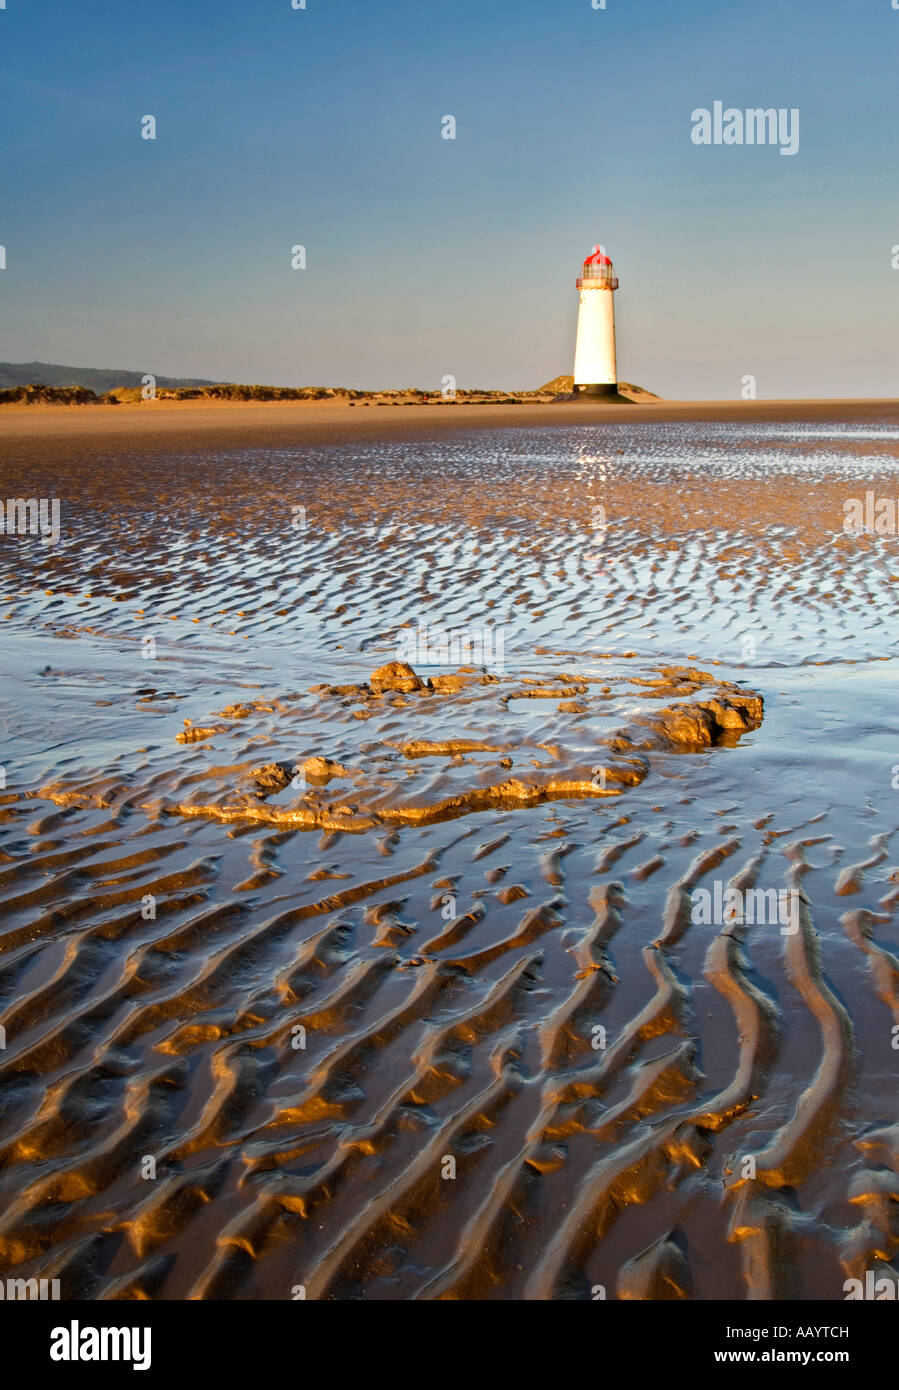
{"points": [[97, 379], [127, 386]]}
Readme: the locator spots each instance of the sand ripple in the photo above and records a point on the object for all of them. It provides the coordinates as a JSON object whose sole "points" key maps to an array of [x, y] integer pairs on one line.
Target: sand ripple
{"points": [[400, 990]]}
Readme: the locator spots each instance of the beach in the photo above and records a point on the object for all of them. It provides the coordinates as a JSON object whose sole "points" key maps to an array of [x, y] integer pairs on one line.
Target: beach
{"points": [[168, 416], [376, 777]]}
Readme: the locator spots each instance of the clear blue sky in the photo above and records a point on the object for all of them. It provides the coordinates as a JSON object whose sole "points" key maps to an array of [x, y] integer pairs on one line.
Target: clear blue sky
{"points": [[428, 257]]}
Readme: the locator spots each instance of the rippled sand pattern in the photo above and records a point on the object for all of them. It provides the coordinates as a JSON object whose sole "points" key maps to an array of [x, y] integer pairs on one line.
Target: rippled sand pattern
{"points": [[399, 991]]}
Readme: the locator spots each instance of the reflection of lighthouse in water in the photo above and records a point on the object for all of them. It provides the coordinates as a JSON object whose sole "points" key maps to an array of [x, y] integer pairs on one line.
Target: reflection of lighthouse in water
{"points": [[595, 369]]}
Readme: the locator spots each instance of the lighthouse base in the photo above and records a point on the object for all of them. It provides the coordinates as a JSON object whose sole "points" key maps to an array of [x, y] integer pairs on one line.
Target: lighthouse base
{"points": [[590, 392]]}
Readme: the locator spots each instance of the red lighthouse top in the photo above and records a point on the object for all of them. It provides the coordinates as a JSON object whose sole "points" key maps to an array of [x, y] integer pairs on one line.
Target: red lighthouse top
{"points": [[599, 256], [597, 273]]}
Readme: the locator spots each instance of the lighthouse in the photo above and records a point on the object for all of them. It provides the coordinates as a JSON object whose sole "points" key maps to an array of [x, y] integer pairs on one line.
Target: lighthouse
{"points": [[595, 368]]}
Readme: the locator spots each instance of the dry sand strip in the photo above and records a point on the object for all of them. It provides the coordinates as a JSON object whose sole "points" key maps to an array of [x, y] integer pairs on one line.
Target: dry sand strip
{"points": [[169, 417]]}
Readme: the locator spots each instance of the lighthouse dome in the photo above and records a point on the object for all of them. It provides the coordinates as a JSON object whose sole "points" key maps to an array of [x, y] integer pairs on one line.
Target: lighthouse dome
{"points": [[597, 273]]}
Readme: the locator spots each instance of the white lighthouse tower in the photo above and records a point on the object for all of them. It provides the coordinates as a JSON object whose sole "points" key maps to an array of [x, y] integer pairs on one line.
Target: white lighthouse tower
{"points": [[595, 368]]}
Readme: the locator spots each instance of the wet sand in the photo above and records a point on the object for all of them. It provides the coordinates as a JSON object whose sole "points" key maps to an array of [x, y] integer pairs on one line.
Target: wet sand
{"points": [[398, 982]]}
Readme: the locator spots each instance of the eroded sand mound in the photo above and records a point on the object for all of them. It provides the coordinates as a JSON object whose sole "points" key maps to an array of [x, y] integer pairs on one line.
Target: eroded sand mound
{"points": [[414, 765]]}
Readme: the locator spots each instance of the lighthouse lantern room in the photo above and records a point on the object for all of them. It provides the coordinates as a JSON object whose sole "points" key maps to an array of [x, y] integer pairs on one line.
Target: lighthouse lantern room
{"points": [[595, 368]]}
